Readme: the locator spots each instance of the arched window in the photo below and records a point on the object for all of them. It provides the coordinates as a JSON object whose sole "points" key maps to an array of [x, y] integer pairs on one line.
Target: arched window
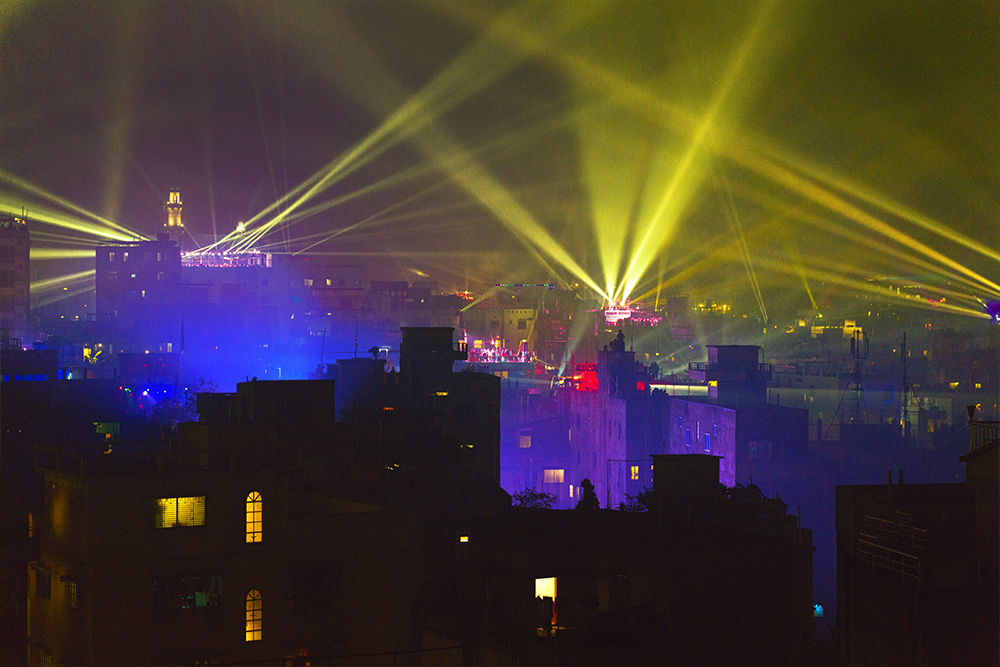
{"points": [[255, 515], [253, 630]]}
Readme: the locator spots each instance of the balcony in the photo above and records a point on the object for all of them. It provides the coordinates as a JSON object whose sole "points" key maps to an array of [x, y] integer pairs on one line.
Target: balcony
{"points": [[983, 434]]}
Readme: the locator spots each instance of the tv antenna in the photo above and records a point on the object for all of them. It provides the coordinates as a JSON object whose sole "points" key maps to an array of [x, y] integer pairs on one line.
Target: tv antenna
{"points": [[859, 352], [904, 398]]}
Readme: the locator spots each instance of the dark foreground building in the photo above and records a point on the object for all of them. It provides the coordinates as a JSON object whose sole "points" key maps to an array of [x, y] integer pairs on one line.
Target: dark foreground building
{"points": [[272, 532], [917, 567]]}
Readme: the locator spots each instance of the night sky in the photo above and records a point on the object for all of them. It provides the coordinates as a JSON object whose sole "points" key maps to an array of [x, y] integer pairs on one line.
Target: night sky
{"points": [[492, 142]]}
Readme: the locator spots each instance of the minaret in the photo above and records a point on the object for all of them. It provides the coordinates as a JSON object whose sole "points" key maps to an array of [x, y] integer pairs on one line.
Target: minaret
{"points": [[174, 227]]}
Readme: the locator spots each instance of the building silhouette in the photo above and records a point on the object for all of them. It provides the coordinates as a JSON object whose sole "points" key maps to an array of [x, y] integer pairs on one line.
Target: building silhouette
{"points": [[917, 566], [15, 280]]}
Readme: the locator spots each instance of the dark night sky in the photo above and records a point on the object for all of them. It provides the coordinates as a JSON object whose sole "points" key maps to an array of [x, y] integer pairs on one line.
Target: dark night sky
{"points": [[107, 104]]}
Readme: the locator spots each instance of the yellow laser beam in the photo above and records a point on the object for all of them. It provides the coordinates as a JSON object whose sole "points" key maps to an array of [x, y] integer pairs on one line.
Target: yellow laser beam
{"points": [[657, 228], [61, 281], [26, 186], [59, 253], [833, 202]]}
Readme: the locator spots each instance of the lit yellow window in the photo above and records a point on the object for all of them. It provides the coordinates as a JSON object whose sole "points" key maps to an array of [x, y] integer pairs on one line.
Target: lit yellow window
{"points": [[174, 512], [553, 476], [635, 472], [525, 441], [545, 587], [254, 623], [255, 515]]}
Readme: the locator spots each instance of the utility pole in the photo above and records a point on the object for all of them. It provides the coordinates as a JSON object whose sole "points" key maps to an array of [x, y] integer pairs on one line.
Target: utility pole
{"points": [[904, 398]]}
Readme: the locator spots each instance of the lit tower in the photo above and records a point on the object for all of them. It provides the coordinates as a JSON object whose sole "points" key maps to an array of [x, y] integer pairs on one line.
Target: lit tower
{"points": [[174, 228]]}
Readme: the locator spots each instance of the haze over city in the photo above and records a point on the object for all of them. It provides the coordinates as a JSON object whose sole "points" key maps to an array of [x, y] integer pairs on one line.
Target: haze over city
{"points": [[775, 152], [319, 312]]}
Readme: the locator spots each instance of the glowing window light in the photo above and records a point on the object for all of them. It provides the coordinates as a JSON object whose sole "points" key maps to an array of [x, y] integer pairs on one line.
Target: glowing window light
{"points": [[635, 472], [177, 512], [254, 622], [553, 476], [525, 441], [617, 314], [255, 513], [463, 538], [545, 587]]}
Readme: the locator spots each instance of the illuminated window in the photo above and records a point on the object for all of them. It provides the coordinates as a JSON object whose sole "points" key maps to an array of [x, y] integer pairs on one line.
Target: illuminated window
{"points": [[175, 512], [254, 623], [635, 472], [307, 282], [979, 385], [111, 256], [525, 441], [545, 588], [329, 282], [553, 476], [463, 538], [570, 490], [73, 595], [255, 514]]}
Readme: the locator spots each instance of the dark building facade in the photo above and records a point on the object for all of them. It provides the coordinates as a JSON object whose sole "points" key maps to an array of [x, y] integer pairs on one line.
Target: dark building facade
{"points": [[917, 567], [15, 279]]}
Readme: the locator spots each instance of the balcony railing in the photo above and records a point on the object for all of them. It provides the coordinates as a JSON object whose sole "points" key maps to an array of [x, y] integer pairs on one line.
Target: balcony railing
{"points": [[982, 434], [705, 366], [889, 561], [893, 546]]}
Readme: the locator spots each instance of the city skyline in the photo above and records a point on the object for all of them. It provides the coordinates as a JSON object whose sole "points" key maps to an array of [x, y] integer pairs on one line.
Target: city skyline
{"points": [[780, 150]]}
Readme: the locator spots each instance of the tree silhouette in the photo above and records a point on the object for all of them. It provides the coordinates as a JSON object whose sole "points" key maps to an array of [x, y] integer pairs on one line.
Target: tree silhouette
{"points": [[640, 502], [588, 499], [534, 498]]}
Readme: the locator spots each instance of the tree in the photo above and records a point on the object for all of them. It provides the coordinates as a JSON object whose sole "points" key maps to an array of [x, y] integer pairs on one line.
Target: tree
{"points": [[640, 502], [183, 408], [588, 499], [534, 498]]}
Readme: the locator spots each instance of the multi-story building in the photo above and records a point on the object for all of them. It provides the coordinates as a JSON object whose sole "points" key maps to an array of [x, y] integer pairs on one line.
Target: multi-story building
{"points": [[917, 566], [268, 531], [139, 280], [15, 280]]}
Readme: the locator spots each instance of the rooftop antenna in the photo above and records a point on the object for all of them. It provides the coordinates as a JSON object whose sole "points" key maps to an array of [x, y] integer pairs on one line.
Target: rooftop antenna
{"points": [[859, 351], [904, 397]]}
